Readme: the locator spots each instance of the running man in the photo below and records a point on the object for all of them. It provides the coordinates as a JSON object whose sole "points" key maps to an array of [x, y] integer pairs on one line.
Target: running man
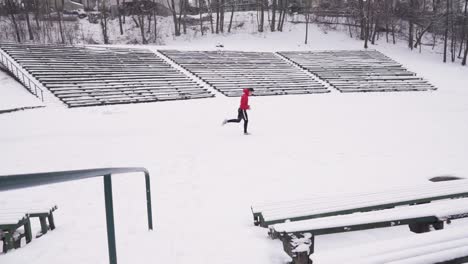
{"points": [[242, 112]]}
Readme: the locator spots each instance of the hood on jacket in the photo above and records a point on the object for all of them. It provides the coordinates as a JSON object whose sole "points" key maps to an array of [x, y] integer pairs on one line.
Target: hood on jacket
{"points": [[247, 90]]}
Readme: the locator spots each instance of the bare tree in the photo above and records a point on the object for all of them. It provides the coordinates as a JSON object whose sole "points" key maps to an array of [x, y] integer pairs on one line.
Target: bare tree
{"points": [[463, 34], [12, 10], [284, 11], [260, 4], [221, 15], [273, 16], [466, 53], [233, 8], [210, 11], [199, 5], [367, 23], [446, 29], [119, 8], [171, 6], [307, 19], [217, 15], [155, 11], [104, 19]]}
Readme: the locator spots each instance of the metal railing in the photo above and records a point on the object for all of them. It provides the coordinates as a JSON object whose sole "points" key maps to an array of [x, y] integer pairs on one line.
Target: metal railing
{"points": [[23, 78], [12, 182]]}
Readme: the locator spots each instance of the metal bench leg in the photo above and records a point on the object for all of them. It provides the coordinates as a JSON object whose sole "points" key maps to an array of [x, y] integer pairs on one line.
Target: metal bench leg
{"points": [[50, 217], [28, 231], [17, 242], [419, 227], [7, 241], [44, 227], [438, 225], [4, 241]]}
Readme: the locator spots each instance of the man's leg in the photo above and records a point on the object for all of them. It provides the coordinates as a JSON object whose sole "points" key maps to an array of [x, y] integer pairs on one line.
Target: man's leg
{"points": [[239, 117], [246, 120]]}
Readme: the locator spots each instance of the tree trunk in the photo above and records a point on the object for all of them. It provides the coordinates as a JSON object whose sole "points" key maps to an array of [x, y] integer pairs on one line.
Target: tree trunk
{"points": [[120, 17], [141, 20], [362, 19], [374, 33], [285, 11], [463, 29], [201, 16], [232, 16], [184, 21], [36, 14], [150, 17], [221, 17], [466, 53], [60, 21], [210, 10], [307, 27], [453, 43], [421, 34], [367, 25], [262, 15], [410, 34], [217, 16], [155, 11], [28, 23], [11, 10], [446, 30], [124, 12], [280, 8], [273, 16], [174, 17], [181, 10]]}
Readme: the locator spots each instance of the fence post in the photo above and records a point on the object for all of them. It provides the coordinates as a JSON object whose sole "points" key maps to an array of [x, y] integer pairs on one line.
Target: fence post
{"points": [[110, 219], [148, 201]]}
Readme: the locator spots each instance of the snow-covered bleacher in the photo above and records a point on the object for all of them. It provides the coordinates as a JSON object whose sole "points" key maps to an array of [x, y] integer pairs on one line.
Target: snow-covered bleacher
{"points": [[297, 222], [231, 71], [442, 246], [87, 76], [15, 222], [358, 71]]}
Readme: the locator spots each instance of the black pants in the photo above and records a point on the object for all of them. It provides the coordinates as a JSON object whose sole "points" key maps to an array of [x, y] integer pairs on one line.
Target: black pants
{"points": [[242, 115]]}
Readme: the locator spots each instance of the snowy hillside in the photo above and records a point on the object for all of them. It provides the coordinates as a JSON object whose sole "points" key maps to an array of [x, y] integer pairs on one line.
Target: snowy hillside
{"points": [[206, 176]]}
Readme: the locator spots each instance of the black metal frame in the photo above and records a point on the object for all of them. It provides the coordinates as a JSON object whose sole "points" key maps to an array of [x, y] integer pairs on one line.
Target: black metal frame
{"points": [[12, 182]]}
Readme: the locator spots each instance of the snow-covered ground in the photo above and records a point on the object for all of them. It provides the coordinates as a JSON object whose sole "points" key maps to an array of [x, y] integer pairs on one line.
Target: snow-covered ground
{"points": [[14, 95], [205, 176]]}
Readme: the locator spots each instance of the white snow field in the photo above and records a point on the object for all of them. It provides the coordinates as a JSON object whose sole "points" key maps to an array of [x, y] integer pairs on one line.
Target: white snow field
{"points": [[206, 176]]}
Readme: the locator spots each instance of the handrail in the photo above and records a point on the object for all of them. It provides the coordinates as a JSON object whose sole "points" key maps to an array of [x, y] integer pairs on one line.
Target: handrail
{"points": [[37, 91], [18, 181]]}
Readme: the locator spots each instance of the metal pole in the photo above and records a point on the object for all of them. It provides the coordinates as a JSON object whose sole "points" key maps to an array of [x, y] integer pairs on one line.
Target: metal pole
{"points": [[148, 201], [110, 219]]}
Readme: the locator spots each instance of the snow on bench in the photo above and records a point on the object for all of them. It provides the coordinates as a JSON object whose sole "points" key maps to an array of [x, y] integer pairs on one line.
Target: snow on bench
{"points": [[428, 248], [83, 68], [13, 218], [234, 70], [326, 205], [299, 236], [354, 67]]}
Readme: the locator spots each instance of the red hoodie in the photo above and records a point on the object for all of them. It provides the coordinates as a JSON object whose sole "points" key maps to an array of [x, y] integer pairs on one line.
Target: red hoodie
{"points": [[244, 103]]}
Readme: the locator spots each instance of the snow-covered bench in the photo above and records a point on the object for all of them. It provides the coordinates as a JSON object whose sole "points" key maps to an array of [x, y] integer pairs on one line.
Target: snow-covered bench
{"points": [[98, 76], [12, 218], [299, 236], [356, 68], [442, 246], [9, 234], [231, 71], [266, 214]]}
